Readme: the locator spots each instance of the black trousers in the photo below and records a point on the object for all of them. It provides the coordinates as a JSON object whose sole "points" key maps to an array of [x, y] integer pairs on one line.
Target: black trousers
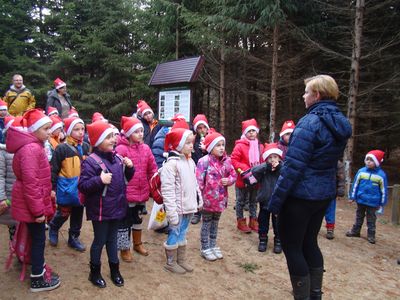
{"points": [[299, 223]]}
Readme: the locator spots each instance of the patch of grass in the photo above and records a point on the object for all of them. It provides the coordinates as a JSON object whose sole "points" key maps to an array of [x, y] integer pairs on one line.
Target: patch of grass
{"points": [[249, 267], [383, 221]]}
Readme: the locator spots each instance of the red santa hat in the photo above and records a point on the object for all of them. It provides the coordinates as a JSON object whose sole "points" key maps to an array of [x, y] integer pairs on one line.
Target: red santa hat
{"points": [[98, 117], [98, 131], [58, 83], [73, 113], [271, 149], [177, 117], [130, 124], [180, 123], [143, 107], [8, 121], [249, 125], [200, 119], [115, 129], [287, 127], [212, 139], [376, 156], [33, 119], [176, 138], [52, 111], [56, 123], [18, 123], [3, 105], [70, 124]]}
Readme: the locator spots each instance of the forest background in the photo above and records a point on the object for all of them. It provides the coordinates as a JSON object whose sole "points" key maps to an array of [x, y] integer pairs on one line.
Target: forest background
{"points": [[257, 52]]}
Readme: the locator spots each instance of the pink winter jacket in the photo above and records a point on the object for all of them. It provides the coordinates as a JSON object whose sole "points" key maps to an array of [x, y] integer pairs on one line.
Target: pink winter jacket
{"points": [[138, 189], [32, 188], [209, 172]]}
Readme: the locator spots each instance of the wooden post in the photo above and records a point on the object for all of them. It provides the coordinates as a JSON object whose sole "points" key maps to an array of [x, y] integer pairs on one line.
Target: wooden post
{"points": [[396, 204]]}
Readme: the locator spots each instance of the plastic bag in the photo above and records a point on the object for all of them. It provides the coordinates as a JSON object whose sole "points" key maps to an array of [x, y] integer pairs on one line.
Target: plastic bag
{"points": [[158, 217]]}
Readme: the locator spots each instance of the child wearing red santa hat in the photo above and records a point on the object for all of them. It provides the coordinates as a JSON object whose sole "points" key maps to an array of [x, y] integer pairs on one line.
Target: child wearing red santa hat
{"points": [[103, 184], [31, 201], [65, 169], [131, 145], [284, 136], [150, 125], [55, 133], [369, 190], [246, 154], [200, 128], [179, 189], [214, 173], [267, 174]]}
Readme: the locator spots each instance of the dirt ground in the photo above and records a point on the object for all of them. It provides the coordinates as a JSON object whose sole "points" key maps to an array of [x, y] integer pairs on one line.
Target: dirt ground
{"points": [[355, 269]]}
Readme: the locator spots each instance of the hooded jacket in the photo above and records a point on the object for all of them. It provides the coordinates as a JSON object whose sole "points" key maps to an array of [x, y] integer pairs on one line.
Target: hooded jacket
{"points": [[209, 172], [158, 146], [54, 101], [32, 188], [138, 189], [240, 158], [370, 187], [179, 187], [113, 205], [310, 167], [19, 101]]}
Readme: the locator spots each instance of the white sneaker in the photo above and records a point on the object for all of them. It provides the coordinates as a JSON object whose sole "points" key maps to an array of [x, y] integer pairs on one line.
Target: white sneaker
{"points": [[208, 254], [217, 252]]}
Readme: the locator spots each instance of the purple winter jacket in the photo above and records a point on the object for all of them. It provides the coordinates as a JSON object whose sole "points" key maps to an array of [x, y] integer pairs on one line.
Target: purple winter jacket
{"points": [[114, 205]]}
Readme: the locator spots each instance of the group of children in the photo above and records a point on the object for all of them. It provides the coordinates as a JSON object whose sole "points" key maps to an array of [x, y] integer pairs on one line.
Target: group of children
{"points": [[110, 178]]}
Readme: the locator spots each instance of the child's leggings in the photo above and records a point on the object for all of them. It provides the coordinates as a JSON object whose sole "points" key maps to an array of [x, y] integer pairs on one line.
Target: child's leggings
{"points": [[209, 229], [132, 220], [105, 233]]}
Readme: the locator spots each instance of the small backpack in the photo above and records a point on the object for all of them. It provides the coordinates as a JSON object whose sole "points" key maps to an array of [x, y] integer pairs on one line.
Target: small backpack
{"points": [[20, 246], [155, 187]]}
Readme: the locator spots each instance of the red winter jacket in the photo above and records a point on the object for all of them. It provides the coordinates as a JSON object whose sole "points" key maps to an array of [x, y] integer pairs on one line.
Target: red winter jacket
{"points": [[240, 158], [32, 188], [138, 189]]}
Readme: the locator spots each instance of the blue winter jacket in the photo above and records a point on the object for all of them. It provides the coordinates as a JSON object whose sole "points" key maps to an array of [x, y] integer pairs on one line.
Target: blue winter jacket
{"points": [[370, 187], [315, 146], [158, 146]]}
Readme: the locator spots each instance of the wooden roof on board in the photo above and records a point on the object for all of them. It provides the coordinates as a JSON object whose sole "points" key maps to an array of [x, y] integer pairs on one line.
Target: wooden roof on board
{"points": [[178, 71]]}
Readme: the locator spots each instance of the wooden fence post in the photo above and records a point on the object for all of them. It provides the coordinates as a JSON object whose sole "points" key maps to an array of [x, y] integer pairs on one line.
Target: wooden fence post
{"points": [[396, 204]]}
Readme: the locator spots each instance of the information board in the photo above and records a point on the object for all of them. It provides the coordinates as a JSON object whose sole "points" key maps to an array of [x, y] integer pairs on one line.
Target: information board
{"points": [[171, 102]]}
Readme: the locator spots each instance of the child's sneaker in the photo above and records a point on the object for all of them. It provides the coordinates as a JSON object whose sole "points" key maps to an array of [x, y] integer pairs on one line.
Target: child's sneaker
{"points": [[208, 254], [371, 239], [262, 246], [46, 281], [351, 233], [217, 252], [330, 234]]}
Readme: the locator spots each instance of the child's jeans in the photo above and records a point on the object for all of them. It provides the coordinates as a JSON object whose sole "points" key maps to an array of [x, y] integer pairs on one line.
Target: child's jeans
{"points": [[330, 214], [243, 195], [38, 235], [105, 233], [263, 221], [177, 233], [363, 210], [209, 229]]}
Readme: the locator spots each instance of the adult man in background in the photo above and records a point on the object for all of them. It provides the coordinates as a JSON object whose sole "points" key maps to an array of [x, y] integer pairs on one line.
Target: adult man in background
{"points": [[18, 98]]}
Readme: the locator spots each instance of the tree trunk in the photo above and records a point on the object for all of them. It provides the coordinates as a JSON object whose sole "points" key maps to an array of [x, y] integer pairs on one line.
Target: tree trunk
{"points": [[177, 33], [274, 74], [353, 91], [222, 92]]}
